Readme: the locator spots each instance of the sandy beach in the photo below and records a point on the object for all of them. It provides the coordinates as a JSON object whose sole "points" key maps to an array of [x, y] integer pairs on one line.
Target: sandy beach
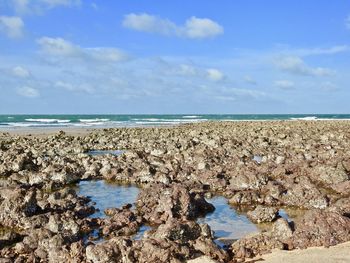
{"points": [[42, 132], [336, 254], [289, 179]]}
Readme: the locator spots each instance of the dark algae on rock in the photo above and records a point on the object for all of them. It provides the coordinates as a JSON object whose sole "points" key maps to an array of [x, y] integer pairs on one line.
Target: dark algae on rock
{"points": [[262, 168]]}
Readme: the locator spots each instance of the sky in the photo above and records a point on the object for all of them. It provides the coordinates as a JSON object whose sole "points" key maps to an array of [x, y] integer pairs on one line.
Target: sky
{"points": [[168, 57]]}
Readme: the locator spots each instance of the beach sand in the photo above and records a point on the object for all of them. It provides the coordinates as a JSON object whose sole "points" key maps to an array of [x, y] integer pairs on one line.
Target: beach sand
{"points": [[336, 254], [42, 132]]}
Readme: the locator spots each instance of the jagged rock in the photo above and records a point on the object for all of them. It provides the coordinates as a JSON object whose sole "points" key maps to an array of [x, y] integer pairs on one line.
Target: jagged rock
{"points": [[321, 228], [281, 230], [159, 203], [263, 214]]}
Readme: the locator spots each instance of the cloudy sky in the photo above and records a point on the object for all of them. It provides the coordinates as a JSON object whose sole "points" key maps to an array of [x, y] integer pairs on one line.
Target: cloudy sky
{"points": [[162, 56]]}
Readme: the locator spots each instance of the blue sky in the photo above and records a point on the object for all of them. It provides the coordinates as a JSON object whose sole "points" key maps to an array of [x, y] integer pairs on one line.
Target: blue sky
{"points": [[243, 56]]}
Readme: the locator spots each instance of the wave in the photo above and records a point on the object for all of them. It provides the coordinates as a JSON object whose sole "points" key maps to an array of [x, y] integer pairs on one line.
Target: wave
{"points": [[169, 121], [147, 119], [155, 122], [93, 120], [190, 116], [152, 120], [309, 118], [89, 124], [48, 120], [28, 124]]}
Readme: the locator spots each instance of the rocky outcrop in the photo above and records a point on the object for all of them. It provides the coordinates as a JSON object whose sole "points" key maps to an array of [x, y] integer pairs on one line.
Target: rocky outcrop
{"points": [[158, 203], [321, 228], [263, 214], [258, 166]]}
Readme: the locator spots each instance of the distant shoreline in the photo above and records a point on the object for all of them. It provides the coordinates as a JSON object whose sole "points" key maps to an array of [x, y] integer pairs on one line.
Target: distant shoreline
{"points": [[79, 131], [9, 122]]}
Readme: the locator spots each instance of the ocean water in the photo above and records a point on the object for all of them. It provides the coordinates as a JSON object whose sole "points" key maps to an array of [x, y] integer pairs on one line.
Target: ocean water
{"points": [[9, 121]]}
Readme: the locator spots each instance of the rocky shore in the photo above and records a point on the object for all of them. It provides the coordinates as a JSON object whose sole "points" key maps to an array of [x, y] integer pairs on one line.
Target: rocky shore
{"points": [[260, 167]]}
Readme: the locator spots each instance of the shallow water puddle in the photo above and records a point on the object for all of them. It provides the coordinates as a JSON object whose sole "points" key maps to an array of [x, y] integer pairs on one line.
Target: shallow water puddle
{"points": [[226, 223], [291, 214], [104, 152], [141, 232], [283, 213], [257, 158], [107, 195]]}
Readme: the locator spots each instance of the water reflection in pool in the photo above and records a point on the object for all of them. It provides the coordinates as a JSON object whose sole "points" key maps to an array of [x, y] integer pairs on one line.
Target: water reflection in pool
{"points": [[226, 222], [104, 152], [107, 195]]}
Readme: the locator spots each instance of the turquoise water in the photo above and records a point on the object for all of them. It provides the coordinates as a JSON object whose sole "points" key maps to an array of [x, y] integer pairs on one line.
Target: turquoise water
{"points": [[9, 121]]}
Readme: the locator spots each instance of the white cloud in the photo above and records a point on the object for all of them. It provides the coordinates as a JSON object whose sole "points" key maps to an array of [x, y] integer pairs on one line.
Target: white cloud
{"points": [[20, 72], [149, 23], [215, 74], [39, 6], [63, 48], [58, 46], [12, 26], [105, 54], [325, 51], [284, 84], [194, 28], [295, 65], [347, 22], [28, 92], [202, 28]]}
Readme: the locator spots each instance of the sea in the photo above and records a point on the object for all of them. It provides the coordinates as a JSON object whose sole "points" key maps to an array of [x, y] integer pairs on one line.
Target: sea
{"points": [[117, 120]]}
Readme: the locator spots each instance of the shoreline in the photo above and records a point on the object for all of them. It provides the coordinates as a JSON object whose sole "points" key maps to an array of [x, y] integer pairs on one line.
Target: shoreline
{"points": [[78, 131]]}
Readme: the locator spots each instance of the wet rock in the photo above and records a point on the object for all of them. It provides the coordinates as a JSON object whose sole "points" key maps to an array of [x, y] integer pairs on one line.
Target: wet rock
{"points": [[112, 251], [210, 249], [181, 232], [158, 203], [255, 245], [246, 198], [321, 228], [161, 250], [263, 214], [121, 222]]}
